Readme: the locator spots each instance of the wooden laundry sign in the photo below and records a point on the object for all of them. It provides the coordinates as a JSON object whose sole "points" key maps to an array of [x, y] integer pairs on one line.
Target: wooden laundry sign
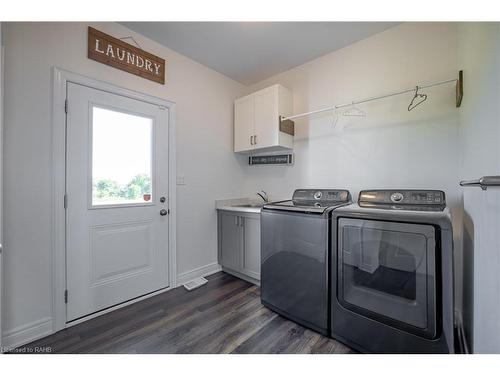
{"points": [[118, 54]]}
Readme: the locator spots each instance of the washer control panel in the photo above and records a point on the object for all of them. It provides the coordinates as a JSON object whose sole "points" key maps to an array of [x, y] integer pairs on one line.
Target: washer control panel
{"points": [[323, 195], [411, 197]]}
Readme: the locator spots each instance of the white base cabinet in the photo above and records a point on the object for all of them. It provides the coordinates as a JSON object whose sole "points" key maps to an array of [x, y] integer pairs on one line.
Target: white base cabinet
{"points": [[239, 244], [257, 121]]}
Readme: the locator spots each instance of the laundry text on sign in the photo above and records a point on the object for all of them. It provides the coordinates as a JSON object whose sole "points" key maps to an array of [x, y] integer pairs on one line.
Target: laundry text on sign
{"points": [[115, 52]]}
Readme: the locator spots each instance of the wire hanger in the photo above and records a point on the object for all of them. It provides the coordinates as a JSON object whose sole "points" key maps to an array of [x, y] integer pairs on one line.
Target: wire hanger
{"points": [[417, 99], [125, 38], [335, 118], [354, 111]]}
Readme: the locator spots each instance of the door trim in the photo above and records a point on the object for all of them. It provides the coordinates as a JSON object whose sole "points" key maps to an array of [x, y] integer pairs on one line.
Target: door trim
{"points": [[60, 79]]}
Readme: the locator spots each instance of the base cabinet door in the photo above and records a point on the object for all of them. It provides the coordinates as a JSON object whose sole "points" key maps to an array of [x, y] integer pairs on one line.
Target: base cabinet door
{"points": [[251, 246], [230, 240], [239, 244]]}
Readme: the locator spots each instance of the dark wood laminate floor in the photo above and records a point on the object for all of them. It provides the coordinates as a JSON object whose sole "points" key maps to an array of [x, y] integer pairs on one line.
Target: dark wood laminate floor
{"points": [[223, 316]]}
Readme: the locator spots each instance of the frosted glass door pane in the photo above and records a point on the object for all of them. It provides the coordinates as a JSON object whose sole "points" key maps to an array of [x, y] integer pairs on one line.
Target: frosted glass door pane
{"points": [[121, 158]]}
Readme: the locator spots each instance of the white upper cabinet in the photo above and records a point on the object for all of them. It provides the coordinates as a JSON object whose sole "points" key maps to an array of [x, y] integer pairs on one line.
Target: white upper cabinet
{"points": [[256, 121]]}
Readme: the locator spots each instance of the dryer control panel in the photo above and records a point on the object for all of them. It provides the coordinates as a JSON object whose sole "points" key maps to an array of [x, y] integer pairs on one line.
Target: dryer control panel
{"points": [[403, 197]]}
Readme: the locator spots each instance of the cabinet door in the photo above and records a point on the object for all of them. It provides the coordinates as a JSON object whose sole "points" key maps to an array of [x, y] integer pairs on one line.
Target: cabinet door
{"points": [[230, 240], [243, 124], [251, 246], [266, 117]]}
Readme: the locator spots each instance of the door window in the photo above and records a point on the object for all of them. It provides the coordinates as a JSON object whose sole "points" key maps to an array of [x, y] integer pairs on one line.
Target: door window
{"points": [[121, 158]]}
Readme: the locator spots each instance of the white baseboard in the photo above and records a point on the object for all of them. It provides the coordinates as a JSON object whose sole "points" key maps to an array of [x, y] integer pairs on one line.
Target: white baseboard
{"points": [[27, 333], [209, 269]]}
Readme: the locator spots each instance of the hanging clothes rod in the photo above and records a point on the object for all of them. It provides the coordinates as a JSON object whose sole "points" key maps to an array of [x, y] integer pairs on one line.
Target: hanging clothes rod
{"points": [[459, 94]]}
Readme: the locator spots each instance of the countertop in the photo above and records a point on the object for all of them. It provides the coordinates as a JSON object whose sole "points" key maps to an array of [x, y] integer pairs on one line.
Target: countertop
{"points": [[235, 205], [248, 210]]}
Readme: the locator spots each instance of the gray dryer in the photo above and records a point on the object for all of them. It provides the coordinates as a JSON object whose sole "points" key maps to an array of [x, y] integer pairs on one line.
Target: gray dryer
{"points": [[392, 273]]}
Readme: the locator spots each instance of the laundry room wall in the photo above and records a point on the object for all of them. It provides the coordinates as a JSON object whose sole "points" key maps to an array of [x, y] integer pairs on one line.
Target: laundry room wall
{"points": [[390, 147], [479, 55], [205, 158]]}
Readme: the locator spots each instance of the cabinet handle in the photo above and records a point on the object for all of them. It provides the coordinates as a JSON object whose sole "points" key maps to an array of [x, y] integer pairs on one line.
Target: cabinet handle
{"points": [[251, 140], [255, 139]]}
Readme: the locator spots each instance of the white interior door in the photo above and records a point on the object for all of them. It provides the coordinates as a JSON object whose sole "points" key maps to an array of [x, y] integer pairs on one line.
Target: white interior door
{"points": [[483, 209], [117, 199]]}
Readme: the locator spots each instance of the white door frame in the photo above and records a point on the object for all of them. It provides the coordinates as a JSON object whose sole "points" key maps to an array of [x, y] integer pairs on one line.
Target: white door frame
{"points": [[60, 78]]}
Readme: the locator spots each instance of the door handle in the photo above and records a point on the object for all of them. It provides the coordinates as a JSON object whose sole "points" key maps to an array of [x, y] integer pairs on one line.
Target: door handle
{"points": [[163, 212]]}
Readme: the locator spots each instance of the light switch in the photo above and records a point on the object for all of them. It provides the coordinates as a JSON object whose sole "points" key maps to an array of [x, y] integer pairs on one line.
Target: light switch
{"points": [[181, 180]]}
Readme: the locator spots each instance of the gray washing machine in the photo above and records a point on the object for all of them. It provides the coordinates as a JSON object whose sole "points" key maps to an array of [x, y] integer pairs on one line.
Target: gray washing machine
{"points": [[392, 273], [295, 239]]}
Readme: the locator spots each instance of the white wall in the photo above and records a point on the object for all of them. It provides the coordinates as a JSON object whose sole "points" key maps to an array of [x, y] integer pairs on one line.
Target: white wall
{"points": [[479, 55], [1, 178], [204, 155], [391, 147]]}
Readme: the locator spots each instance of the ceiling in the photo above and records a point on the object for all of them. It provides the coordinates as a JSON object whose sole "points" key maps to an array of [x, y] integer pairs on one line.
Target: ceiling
{"points": [[249, 52]]}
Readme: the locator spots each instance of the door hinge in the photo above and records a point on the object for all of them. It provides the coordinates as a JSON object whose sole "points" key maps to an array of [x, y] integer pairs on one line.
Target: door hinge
{"points": [[66, 296], [66, 106], [65, 201]]}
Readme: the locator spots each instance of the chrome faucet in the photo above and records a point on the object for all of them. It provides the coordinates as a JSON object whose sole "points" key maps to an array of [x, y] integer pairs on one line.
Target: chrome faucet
{"points": [[264, 196]]}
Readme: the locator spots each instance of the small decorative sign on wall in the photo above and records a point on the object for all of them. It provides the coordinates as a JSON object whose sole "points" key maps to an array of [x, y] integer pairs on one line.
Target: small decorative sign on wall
{"points": [[118, 54], [285, 159]]}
